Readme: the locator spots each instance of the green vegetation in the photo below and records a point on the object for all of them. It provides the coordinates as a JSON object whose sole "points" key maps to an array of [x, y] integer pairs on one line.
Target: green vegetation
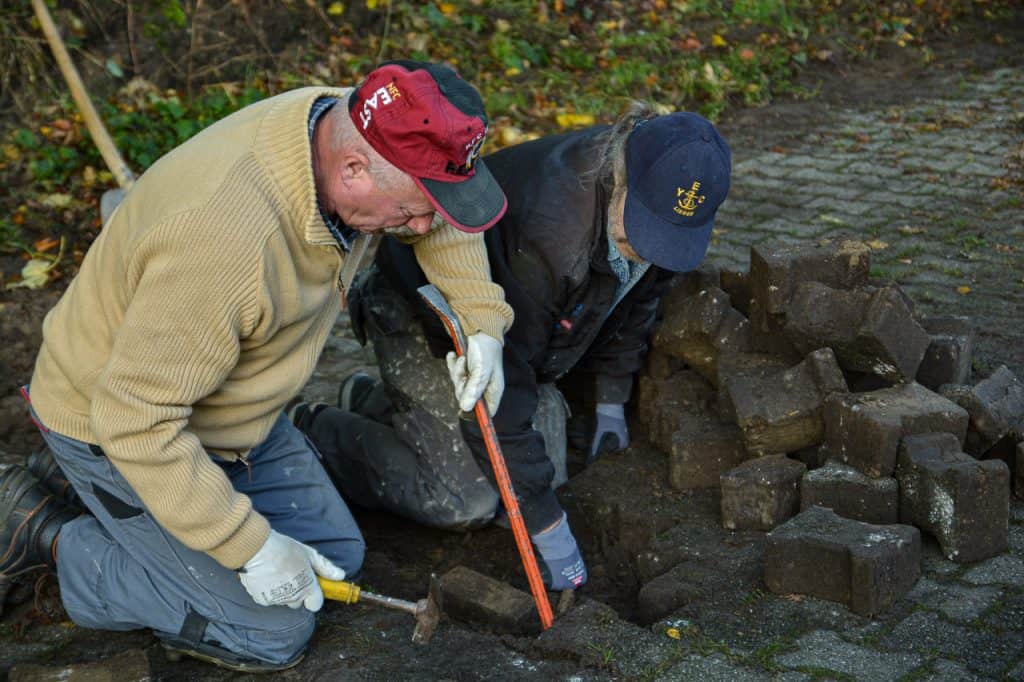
{"points": [[162, 71]]}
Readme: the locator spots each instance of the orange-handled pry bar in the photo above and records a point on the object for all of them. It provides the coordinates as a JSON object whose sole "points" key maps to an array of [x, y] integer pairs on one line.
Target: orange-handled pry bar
{"points": [[436, 300]]}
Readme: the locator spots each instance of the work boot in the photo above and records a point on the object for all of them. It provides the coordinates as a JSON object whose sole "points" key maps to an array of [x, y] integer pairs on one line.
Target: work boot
{"points": [[355, 390], [43, 465], [175, 648], [30, 521], [301, 414]]}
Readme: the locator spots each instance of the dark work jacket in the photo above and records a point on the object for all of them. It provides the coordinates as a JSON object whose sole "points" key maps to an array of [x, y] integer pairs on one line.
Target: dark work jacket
{"points": [[550, 254]]}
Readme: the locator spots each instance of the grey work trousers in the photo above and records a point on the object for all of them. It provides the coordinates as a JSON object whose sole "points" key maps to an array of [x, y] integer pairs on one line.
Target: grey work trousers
{"points": [[120, 570]]}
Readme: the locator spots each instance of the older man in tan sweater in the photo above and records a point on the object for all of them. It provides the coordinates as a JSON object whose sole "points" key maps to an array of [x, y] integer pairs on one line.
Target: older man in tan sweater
{"points": [[197, 314]]}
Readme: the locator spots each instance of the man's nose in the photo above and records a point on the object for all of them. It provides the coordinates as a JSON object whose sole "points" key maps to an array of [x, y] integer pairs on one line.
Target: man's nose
{"points": [[420, 224]]}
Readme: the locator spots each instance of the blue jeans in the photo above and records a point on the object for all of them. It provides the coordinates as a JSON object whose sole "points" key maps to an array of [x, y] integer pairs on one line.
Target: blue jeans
{"points": [[120, 570]]}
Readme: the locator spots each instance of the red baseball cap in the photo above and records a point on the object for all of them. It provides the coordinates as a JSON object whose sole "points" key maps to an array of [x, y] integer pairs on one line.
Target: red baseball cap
{"points": [[428, 122]]}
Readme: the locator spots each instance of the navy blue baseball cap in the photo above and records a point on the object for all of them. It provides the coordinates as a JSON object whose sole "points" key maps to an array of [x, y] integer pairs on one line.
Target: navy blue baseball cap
{"points": [[677, 175]]}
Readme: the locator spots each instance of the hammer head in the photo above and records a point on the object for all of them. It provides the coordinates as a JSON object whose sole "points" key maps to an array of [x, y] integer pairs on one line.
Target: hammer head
{"points": [[428, 613]]}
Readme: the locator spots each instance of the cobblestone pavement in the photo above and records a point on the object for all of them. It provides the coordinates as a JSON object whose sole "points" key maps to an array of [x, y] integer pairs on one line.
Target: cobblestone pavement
{"points": [[934, 186], [960, 622]]}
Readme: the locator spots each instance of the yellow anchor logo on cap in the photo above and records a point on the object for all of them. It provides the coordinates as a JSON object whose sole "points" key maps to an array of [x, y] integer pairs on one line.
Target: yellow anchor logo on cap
{"points": [[688, 200]]}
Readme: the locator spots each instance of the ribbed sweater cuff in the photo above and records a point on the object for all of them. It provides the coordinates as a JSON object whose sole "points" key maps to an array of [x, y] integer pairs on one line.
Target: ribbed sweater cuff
{"points": [[244, 543], [489, 322]]}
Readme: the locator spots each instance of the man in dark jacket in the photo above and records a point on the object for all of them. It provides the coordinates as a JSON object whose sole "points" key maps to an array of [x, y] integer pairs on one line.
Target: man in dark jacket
{"points": [[598, 221]]}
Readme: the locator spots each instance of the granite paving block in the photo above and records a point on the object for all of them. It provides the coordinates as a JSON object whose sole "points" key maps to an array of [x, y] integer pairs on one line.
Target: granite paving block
{"points": [[668, 405], [1000, 570], [950, 351], [761, 493], [826, 650], [948, 671], [776, 269], [979, 650], [477, 598], [864, 566], [1018, 471], [749, 366], [864, 430], [736, 283], [869, 330], [701, 449], [851, 494], [592, 634], [782, 412], [699, 327], [957, 602], [995, 406], [715, 668], [963, 502]]}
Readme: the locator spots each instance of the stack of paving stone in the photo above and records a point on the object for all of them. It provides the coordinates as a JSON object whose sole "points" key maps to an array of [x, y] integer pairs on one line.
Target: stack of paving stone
{"points": [[833, 416]]}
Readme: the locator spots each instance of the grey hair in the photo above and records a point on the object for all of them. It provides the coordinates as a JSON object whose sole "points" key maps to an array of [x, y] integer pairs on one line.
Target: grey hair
{"points": [[611, 159], [387, 177]]}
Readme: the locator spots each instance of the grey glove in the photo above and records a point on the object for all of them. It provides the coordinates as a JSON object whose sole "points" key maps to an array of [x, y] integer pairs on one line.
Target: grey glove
{"points": [[610, 431], [563, 567]]}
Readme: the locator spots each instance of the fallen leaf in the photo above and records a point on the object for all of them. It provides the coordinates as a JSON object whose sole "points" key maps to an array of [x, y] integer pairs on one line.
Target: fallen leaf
{"points": [[447, 8], [794, 597], [831, 219], [908, 230], [57, 200], [878, 244], [674, 633], [746, 54], [691, 44], [336, 9], [510, 136], [718, 41], [46, 244], [963, 290], [574, 120], [34, 275]]}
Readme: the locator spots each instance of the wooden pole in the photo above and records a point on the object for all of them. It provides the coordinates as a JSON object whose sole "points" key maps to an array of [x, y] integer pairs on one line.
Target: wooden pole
{"points": [[124, 176]]}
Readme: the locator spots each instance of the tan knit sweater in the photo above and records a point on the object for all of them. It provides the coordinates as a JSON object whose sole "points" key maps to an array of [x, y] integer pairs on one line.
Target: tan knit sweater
{"points": [[202, 308]]}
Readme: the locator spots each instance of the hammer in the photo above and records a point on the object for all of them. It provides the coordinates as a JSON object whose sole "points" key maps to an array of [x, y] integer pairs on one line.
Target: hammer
{"points": [[427, 612]]}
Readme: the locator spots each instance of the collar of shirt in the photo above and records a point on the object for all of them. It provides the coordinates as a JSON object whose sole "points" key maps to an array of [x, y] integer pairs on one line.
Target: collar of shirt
{"points": [[626, 271], [344, 234]]}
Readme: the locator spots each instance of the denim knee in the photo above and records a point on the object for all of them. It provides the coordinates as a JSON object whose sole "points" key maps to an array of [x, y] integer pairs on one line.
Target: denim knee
{"points": [[347, 554]]}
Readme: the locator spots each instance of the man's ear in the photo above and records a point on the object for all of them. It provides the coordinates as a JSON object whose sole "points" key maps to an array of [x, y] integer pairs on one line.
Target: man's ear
{"points": [[355, 172]]}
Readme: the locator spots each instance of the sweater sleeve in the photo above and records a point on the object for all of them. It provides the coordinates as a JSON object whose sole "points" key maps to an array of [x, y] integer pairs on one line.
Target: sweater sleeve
{"points": [[456, 263], [177, 343]]}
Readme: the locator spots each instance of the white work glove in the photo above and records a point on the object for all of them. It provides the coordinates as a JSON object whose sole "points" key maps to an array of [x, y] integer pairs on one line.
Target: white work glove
{"points": [[283, 572], [479, 372]]}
